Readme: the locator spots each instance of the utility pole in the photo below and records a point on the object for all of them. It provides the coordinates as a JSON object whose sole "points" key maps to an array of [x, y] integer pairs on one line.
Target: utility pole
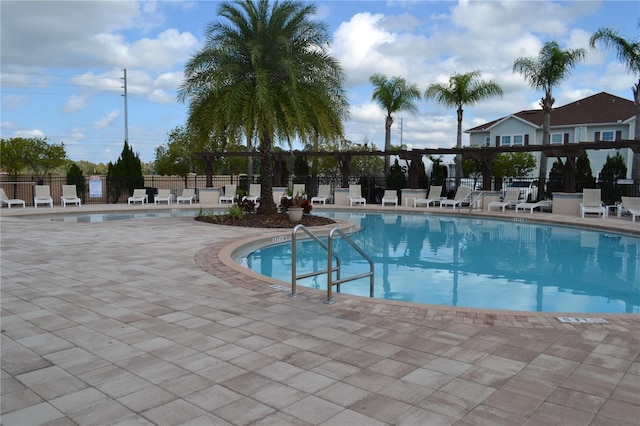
{"points": [[400, 132], [126, 113]]}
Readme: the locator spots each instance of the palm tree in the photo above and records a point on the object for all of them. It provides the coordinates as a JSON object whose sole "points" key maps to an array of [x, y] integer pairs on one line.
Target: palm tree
{"points": [[629, 55], [392, 96], [462, 89], [544, 73], [265, 72]]}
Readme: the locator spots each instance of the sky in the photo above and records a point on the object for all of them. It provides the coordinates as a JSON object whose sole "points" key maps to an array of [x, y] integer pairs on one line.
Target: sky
{"points": [[62, 64]]}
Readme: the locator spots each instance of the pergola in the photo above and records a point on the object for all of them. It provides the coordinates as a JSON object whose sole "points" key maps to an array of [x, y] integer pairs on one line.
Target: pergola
{"points": [[565, 153]]}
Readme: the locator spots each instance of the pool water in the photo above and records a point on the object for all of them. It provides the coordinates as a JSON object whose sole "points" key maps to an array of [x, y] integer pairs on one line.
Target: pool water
{"points": [[474, 262]]}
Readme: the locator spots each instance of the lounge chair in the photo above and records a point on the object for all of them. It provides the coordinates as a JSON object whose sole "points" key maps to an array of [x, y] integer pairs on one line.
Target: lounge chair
{"points": [[254, 193], [139, 196], [511, 198], [390, 197], [299, 189], [434, 196], [355, 195], [592, 202], [229, 194], [70, 196], [631, 205], [532, 206], [188, 194], [10, 201], [163, 195], [462, 195], [43, 196], [324, 194]]}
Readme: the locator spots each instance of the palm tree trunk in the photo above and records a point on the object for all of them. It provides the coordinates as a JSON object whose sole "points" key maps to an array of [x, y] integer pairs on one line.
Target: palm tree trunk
{"points": [[635, 164], [542, 176], [458, 160], [387, 144], [267, 206]]}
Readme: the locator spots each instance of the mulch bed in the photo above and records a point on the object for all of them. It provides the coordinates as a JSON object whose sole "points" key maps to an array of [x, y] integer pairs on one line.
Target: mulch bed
{"points": [[278, 220]]}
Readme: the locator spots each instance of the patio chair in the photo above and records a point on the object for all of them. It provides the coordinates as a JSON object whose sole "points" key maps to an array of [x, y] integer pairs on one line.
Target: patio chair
{"points": [[511, 198], [10, 201], [462, 195], [299, 189], [531, 206], [229, 194], [355, 195], [390, 197], [324, 194], [254, 193], [434, 196], [70, 196], [163, 195], [43, 196], [631, 205], [188, 194], [592, 202], [139, 196]]}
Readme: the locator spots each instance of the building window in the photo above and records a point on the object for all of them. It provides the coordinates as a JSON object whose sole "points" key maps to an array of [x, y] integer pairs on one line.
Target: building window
{"points": [[556, 138], [505, 141], [607, 136], [487, 141], [518, 140], [512, 140]]}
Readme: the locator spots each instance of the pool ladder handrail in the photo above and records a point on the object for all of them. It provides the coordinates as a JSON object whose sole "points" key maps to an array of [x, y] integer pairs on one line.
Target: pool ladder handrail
{"points": [[330, 256], [474, 196]]}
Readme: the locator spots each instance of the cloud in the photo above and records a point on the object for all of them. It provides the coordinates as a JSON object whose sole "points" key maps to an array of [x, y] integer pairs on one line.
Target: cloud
{"points": [[33, 133], [14, 101], [106, 120], [75, 103]]}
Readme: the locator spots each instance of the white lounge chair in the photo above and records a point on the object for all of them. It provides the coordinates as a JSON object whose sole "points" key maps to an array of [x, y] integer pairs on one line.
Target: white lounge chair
{"points": [[390, 197], [43, 196], [229, 194], [324, 194], [188, 194], [139, 196], [355, 195], [70, 196], [631, 205], [10, 201], [254, 193], [163, 195], [462, 195], [511, 198], [592, 202], [299, 189], [434, 196], [532, 206]]}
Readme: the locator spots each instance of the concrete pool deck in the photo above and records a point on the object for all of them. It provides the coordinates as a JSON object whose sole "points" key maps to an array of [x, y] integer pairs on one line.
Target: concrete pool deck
{"points": [[145, 322]]}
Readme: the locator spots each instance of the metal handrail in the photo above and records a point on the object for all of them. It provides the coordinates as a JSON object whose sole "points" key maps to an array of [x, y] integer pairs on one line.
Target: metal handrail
{"points": [[338, 281], [472, 201], [294, 275]]}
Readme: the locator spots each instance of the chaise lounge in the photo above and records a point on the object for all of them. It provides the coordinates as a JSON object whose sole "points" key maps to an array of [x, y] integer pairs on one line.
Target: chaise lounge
{"points": [[43, 196], [10, 201], [139, 196], [69, 196]]}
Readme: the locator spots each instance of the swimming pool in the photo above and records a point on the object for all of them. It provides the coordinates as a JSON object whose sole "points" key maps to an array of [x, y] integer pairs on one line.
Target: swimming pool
{"points": [[475, 262], [96, 217]]}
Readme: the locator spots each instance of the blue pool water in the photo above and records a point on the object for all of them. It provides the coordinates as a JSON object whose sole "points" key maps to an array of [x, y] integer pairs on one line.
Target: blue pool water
{"points": [[473, 262]]}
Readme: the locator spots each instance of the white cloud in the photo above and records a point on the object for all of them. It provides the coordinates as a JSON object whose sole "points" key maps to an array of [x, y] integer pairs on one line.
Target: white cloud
{"points": [[75, 103], [33, 133], [106, 120], [14, 101]]}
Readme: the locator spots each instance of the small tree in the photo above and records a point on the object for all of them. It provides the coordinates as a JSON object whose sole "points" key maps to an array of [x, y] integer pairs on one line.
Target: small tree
{"points": [[397, 178], [125, 175], [438, 175], [584, 176], [612, 170], [75, 177]]}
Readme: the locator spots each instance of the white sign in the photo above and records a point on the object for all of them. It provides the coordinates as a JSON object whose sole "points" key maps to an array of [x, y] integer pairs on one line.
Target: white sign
{"points": [[95, 187]]}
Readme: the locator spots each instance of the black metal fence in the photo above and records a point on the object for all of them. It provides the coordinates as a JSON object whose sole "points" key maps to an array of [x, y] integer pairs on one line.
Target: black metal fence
{"points": [[96, 189]]}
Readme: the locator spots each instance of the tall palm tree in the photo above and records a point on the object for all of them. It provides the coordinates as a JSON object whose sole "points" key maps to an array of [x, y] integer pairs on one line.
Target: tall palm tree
{"points": [[265, 72], [629, 55], [393, 95], [462, 89], [544, 73]]}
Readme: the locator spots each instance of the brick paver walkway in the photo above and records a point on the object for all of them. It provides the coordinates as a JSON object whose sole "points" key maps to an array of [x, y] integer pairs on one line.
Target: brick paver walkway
{"points": [[146, 322]]}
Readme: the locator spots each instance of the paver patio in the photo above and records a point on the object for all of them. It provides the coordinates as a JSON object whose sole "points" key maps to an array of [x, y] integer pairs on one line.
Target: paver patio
{"points": [[146, 322]]}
